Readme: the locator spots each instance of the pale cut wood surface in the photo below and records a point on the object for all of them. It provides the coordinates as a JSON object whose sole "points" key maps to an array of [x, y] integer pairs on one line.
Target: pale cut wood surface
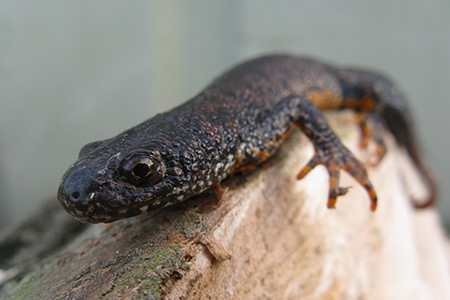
{"points": [[283, 242]]}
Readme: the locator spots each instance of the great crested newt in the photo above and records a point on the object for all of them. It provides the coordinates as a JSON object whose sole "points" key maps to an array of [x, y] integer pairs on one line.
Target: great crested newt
{"points": [[234, 124]]}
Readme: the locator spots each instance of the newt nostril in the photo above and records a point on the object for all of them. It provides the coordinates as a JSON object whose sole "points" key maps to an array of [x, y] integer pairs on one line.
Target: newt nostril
{"points": [[75, 195]]}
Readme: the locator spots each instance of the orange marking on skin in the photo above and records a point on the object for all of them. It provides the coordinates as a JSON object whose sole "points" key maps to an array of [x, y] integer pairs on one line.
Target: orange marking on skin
{"points": [[219, 190], [349, 165], [369, 134], [363, 104], [366, 130], [333, 168], [333, 183], [261, 156], [237, 168], [326, 99], [362, 180], [331, 203], [381, 151], [304, 172], [359, 167], [373, 198], [220, 193]]}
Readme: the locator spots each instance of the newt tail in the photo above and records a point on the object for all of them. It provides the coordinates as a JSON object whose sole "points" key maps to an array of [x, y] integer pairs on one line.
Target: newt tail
{"points": [[404, 136]]}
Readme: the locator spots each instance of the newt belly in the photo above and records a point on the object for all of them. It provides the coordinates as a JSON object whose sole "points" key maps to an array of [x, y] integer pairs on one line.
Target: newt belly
{"points": [[234, 124]]}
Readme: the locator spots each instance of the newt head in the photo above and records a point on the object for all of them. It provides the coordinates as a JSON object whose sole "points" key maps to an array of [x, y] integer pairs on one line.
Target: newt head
{"points": [[112, 180]]}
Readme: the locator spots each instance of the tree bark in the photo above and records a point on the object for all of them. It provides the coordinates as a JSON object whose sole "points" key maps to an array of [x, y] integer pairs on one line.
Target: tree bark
{"points": [[272, 238]]}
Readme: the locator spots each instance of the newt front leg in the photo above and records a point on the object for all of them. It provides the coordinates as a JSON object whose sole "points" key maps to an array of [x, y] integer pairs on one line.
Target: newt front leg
{"points": [[329, 151]]}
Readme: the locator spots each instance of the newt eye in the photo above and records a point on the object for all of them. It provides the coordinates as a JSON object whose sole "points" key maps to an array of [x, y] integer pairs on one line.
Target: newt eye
{"points": [[143, 171]]}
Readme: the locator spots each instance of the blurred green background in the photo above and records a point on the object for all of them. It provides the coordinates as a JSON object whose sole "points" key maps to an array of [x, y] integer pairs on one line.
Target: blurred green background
{"points": [[75, 72]]}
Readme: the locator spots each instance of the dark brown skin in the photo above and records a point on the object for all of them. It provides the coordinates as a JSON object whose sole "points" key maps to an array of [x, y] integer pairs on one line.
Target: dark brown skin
{"points": [[236, 123]]}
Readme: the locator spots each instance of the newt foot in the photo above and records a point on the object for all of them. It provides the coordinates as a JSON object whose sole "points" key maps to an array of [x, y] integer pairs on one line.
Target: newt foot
{"points": [[336, 157], [372, 129]]}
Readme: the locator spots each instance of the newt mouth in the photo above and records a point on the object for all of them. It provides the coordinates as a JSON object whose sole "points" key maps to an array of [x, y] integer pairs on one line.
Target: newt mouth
{"points": [[91, 200]]}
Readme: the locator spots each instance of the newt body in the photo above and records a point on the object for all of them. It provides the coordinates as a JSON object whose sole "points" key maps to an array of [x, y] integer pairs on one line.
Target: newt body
{"points": [[234, 124]]}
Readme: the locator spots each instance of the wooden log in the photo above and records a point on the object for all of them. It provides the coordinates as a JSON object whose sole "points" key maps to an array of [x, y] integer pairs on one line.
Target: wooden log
{"points": [[272, 238]]}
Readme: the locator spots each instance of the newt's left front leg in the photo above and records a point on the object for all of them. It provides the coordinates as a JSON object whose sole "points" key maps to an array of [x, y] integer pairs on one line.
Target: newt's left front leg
{"points": [[330, 152]]}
